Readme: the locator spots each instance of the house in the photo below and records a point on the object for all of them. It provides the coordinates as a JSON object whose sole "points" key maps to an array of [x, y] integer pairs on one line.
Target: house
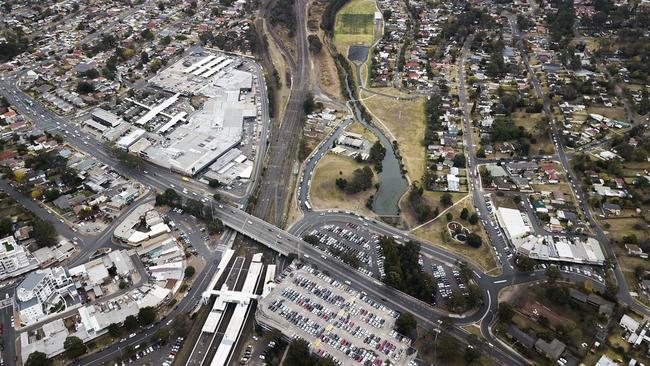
{"points": [[635, 251], [629, 324], [611, 208], [453, 183], [606, 361], [521, 337], [552, 350]]}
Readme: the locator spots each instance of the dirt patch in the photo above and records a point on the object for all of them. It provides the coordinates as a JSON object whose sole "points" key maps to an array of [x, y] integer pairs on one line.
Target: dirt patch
{"points": [[325, 72]]}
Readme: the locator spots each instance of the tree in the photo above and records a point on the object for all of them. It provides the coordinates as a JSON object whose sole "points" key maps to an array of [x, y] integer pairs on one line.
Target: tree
{"points": [[214, 183], [464, 213], [505, 312], [298, 353], [85, 87], [189, 271], [446, 200], [43, 232], [361, 180], [309, 105], [473, 219], [457, 301], [472, 354], [130, 323], [448, 349], [37, 358], [474, 240], [147, 34], [611, 290], [315, 45], [146, 315], [74, 347], [169, 198], [161, 335], [553, 274], [214, 226], [5, 226], [406, 324], [114, 330], [144, 57], [449, 216], [525, 264], [459, 161], [181, 325], [480, 153], [377, 154], [474, 296], [311, 239]]}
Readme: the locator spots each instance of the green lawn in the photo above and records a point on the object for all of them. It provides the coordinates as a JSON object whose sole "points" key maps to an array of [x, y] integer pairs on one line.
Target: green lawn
{"points": [[355, 24]]}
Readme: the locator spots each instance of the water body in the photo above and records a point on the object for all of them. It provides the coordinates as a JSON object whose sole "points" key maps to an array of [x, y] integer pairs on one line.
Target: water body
{"points": [[358, 53], [392, 183]]}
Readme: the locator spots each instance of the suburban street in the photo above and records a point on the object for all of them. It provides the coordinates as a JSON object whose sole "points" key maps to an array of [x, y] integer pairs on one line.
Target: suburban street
{"points": [[274, 169]]}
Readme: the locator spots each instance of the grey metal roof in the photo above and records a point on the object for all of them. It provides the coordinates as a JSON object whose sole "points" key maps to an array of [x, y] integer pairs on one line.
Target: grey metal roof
{"points": [[32, 279]]}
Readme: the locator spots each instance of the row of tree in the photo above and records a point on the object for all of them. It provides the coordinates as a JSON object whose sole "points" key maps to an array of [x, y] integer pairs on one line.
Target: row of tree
{"points": [[403, 270]]}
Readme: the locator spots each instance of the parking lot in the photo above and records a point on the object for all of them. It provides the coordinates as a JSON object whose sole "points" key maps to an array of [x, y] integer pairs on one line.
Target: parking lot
{"points": [[355, 240], [364, 245], [334, 319], [156, 354]]}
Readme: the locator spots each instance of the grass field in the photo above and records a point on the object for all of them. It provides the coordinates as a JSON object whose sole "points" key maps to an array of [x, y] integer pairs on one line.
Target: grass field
{"points": [[324, 193], [405, 121], [437, 234], [355, 24]]}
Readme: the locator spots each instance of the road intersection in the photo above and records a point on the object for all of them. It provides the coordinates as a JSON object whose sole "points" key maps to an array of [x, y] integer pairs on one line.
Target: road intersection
{"points": [[289, 241]]}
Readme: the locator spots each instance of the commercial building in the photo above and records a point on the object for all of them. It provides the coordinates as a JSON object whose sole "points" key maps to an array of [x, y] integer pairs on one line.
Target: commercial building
{"points": [[39, 290], [211, 130], [128, 231], [14, 259], [561, 249], [105, 117], [512, 223]]}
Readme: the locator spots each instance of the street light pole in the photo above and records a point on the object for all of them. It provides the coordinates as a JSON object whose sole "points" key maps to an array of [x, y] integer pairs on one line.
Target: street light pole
{"points": [[435, 342]]}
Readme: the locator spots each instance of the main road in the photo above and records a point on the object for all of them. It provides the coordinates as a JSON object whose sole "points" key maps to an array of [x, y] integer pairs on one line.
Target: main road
{"points": [[576, 185]]}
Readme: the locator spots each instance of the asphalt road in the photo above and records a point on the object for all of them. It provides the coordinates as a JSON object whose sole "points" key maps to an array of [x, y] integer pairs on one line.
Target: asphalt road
{"points": [[271, 205], [576, 185]]}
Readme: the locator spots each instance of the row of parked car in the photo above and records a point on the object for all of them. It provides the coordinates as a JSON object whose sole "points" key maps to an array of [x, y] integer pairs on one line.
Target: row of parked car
{"points": [[342, 240], [322, 292], [444, 286], [169, 360]]}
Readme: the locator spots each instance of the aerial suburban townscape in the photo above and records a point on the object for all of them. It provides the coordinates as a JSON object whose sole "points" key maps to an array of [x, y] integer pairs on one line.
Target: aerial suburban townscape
{"points": [[324, 182]]}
